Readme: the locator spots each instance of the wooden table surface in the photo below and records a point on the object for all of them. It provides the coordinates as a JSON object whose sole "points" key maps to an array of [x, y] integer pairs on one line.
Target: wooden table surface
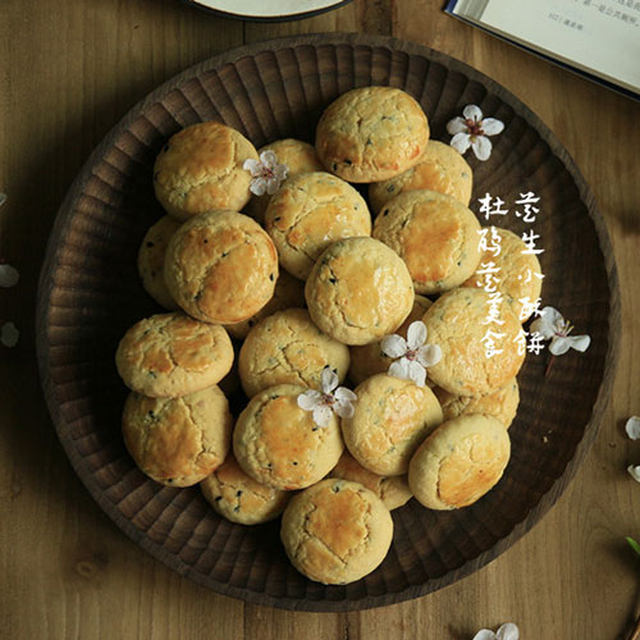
{"points": [[69, 71]]}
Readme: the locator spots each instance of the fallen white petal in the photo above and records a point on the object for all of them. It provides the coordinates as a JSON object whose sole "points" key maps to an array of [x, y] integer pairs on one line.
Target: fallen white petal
{"points": [[342, 394], [461, 142], [559, 345], [417, 373], [344, 409], [429, 355], [485, 634], [580, 343], [9, 334], [508, 631], [416, 335], [632, 427], [481, 146], [394, 346], [9, 275], [254, 166], [322, 415], [309, 400], [269, 159], [492, 126], [258, 186], [399, 369], [472, 112], [330, 379], [457, 125], [548, 323], [634, 472]]}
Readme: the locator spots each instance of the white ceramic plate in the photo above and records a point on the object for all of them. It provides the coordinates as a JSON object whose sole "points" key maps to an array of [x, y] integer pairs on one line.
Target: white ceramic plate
{"points": [[269, 9]]}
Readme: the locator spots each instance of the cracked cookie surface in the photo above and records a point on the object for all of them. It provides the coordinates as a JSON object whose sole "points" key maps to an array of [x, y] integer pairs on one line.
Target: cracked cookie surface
{"points": [[221, 267], [434, 234], [462, 324], [288, 348], [459, 462], [278, 444], [359, 290], [308, 213], [178, 441], [371, 134], [336, 532], [392, 417], [441, 168], [239, 498], [170, 354], [200, 169], [151, 260]]}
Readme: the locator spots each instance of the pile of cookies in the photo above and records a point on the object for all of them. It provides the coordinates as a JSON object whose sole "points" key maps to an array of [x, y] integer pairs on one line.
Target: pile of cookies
{"points": [[311, 287]]}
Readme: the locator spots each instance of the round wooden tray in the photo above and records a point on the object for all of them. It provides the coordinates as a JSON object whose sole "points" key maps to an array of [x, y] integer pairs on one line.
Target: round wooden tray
{"points": [[90, 294]]}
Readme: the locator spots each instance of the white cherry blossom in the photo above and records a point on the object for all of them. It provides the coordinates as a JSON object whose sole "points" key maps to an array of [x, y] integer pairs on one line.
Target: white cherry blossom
{"points": [[632, 427], [552, 326], [332, 399], [411, 356], [267, 173], [471, 130], [9, 334], [507, 631]]}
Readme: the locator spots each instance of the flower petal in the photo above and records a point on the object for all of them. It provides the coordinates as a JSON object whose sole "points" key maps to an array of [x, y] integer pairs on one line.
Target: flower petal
{"points": [[548, 323], [9, 275], [344, 409], [258, 186], [461, 142], [492, 126], [457, 125], [472, 112], [485, 634], [416, 335], [394, 346], [634, 471], [252, 165], [309, 400], [330, 379], [399, 369], [322, 415], [417, 373], [559, 345], [481, 146], [269, 159], [342, 394], [429, 355], [508, 631], [632, 427], [9, 334], [580, 343]]}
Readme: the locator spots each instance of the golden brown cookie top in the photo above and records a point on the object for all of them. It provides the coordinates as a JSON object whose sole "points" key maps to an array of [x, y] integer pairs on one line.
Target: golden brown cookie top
{"points": [[441, 168], [239, 498], [359, 290], [371, 134], [392, 490], [178, 441], [221, 267], [308, 213], [507, 265], [459, 462], [501, 404], [434, 234], [288, 294], [288, 348], [151, 260], [336, 532], [392, 417], [482, 343], [170, 354], [200, 169], [277, 443]]}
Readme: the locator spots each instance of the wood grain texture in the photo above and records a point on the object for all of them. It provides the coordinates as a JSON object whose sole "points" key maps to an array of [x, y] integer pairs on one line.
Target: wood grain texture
{"points": [[67, 571]]}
